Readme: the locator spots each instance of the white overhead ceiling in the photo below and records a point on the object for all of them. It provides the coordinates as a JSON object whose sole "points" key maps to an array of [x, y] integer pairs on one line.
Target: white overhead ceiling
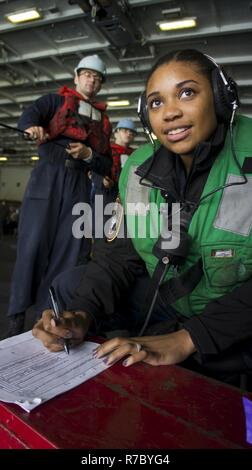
{"points": [[39, 57]]}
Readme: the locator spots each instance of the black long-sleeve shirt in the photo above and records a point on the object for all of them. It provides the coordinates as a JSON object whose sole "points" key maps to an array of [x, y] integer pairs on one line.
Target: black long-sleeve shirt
{"points": [[224, 322]]}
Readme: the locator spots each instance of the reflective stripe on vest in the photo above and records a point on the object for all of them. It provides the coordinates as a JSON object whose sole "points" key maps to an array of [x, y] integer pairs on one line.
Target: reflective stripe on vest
{"points": [[220, 228]]}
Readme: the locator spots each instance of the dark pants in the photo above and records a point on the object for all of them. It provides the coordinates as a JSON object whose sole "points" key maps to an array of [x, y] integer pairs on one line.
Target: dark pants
{"points": [[106, 196], [46, 245]]}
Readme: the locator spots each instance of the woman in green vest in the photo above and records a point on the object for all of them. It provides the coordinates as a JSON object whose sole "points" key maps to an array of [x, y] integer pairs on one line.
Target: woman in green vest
{"points": [[201, 163]]}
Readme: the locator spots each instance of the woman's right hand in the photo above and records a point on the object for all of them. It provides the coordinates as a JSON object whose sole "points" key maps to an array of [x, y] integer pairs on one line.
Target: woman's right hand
{"points": [[72, 326]]}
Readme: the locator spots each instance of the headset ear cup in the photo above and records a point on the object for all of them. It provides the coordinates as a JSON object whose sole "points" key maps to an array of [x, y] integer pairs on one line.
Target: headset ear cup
{"points": [[143, 112], [224, 95]]}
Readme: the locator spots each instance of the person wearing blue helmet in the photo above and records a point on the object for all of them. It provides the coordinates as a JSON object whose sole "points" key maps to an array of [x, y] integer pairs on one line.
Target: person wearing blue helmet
{"points": [[124, 135], [107, 186]]}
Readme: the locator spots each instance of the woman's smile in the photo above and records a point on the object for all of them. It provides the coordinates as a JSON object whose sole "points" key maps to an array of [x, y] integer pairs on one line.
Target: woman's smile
{"points": [[177, 134]]}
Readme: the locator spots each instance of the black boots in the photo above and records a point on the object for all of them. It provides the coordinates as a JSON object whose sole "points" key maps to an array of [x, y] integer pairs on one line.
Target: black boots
{"points": [[16, 324]]}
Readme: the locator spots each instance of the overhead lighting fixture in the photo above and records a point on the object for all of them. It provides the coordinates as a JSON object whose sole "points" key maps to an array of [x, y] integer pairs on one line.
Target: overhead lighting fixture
{"points": [[3, 159], [22, 16], [118, 103], [34, 158], [177, 24]]}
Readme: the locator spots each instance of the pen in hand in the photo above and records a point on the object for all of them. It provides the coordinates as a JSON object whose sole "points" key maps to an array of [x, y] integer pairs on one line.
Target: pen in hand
{"points": [[56, 315]]}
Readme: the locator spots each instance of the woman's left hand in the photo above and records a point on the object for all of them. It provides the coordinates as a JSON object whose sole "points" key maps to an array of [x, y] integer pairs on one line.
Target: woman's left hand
{"points": [[166, 349], [79, 151]]}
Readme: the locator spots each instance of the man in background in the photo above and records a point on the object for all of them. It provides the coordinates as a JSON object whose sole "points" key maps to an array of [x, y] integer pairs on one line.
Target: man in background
{"points": [[73, 133], [124, 135]]}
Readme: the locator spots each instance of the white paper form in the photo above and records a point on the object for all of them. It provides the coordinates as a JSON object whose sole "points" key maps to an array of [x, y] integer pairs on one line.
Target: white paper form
{"points": [[31, 375]]}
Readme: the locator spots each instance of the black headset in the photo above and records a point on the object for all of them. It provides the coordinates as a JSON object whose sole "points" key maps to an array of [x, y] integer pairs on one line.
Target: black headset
{"points": [[225, 94], [226, 102]]}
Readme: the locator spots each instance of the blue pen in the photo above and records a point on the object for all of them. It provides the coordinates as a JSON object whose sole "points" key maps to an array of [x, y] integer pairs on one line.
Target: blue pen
{"points": [[56, 315]]}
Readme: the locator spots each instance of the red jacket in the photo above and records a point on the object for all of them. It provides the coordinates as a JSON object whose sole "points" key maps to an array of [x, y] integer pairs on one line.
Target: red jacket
{"points": [[117, 151]]}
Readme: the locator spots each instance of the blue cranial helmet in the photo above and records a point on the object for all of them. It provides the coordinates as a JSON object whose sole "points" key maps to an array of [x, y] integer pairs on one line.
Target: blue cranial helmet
{"points": [[126, 124]]}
